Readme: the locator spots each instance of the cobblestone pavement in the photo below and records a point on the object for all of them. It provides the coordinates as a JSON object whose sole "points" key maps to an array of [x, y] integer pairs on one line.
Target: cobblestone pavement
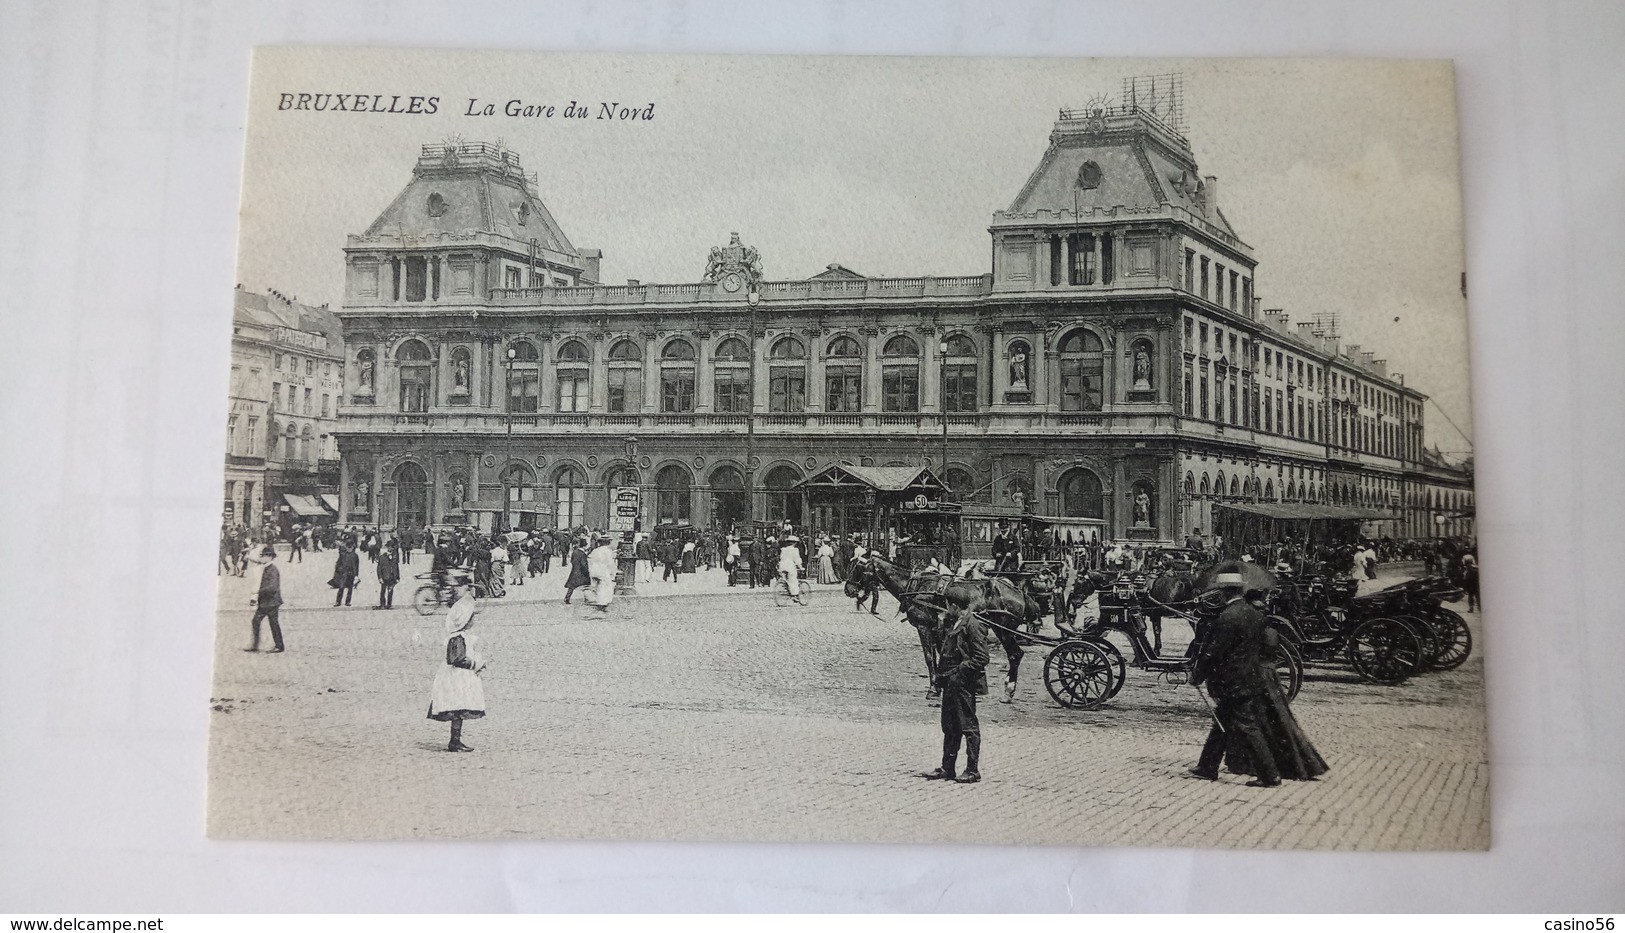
{"points": [[698, 712]]}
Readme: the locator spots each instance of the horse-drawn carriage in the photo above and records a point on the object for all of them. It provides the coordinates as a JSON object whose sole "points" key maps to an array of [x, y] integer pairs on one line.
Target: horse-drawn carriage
{"points": [[1085, 668], [1385, 637]]}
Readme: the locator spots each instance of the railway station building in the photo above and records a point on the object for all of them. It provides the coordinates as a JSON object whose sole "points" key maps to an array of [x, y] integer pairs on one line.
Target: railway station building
{"points": [[1115, 365]]}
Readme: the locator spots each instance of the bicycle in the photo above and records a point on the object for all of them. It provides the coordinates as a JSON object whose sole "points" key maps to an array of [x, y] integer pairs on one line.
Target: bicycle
{"points": [[434, 594]]}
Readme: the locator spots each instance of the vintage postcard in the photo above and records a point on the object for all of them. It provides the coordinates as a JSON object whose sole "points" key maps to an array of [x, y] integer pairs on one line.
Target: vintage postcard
{"points": [[1032, 451]]}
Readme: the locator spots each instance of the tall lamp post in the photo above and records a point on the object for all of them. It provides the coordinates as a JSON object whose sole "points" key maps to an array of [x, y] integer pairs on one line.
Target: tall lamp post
{"points": [[752, 300], [507, 490], [942, 392]]}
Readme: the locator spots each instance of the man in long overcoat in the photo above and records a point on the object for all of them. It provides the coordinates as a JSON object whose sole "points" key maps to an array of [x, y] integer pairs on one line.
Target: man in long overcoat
{"points": [[389, 574], [267, 605], [579, 575], [346, 570], [1231, 664], [962, 676]]}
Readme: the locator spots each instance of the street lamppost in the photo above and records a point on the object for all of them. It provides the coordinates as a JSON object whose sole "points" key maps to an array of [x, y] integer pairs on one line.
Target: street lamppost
{"points": [[752, 300], [512, 354], [942, 392], [507, 490]]}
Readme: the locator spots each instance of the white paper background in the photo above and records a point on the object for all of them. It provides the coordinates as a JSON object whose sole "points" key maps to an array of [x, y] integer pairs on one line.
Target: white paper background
{"points": [[120, 143]]}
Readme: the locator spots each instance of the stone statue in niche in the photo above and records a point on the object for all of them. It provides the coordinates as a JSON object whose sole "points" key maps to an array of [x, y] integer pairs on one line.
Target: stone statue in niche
{"points": [[1018, 367], [1142, 369], [457, 493], [1142, 509], [361, 500], [459, 383], [365, 374]]}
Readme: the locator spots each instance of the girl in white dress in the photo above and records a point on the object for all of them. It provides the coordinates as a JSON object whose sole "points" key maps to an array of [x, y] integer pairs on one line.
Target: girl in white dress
{"points": [[458, 693]]}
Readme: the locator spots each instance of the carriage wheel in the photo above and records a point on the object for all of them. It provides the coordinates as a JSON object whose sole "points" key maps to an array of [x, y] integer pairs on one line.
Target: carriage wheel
{"points": [[1427, 636], [1079, 675], [1119, 667], [426, 600], [1287, 663], [1454, 638], [1384, 651]]}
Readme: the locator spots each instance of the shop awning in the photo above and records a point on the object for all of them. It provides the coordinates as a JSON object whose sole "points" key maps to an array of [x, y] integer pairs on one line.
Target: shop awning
{"points": [[1303, 511], [880, 479], [306, 507], [331, 501]]}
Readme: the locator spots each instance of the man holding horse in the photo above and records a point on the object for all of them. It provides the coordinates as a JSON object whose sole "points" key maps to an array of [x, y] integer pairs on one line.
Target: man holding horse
{"points": [[962, 676]]}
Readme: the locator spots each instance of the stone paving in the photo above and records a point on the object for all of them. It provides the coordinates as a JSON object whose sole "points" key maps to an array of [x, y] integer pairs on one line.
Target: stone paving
{"points": [[701, 712]]}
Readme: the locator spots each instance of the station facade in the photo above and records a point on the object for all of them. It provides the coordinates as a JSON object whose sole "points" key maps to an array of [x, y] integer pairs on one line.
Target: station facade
{"points": [[1115, 366]]}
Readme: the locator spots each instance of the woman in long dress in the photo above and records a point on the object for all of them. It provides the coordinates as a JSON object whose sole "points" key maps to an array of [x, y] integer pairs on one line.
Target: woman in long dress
{"points": [[458, 693], [826, 561]]}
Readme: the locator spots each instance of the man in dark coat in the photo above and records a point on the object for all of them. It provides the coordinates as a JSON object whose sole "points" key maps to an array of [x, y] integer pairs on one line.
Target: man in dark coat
{"points": [[1231, 664], [962, 676], [579, 577], [346, 570], [267, 605], [1004, 550], [671, 555], [389, 574]]}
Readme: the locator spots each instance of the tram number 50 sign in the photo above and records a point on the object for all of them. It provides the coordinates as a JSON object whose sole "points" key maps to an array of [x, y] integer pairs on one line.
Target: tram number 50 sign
{"points": [[623, 509]]}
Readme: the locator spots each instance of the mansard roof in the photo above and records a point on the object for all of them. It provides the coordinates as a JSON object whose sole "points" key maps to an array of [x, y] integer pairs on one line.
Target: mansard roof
{"points": [[466, 188], [1143, 167]]}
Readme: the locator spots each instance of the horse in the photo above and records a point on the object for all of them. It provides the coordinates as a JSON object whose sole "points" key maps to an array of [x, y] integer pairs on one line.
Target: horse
{"points": [[925, 599], [1166, 589]]}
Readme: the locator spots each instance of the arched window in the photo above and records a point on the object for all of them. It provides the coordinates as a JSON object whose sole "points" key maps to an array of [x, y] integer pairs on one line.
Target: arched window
{"points": [[570, 497], [1081, 495], [411, 496], [677, 377], [519, 483], [673, 494], [732, 376], [1218, 486], [787, 376], [462, 375], [1291, 491], [1083, 382], [306, 451], [783, 504], [843, 376], [416, 375], [900, 375], [1206, 489], [524, 377], [959, 374], [1269, 490], [625, 377], [960, 483], [290, 442], [574, 378], [1190, 485], [730, 504], [1235, 488]]}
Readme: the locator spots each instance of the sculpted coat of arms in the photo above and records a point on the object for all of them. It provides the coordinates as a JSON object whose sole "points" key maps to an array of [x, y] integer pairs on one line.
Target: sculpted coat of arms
{"points": [[733, 266]]}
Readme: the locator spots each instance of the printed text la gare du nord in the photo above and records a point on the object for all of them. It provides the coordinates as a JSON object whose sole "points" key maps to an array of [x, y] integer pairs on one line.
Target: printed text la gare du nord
{"points": [[427, 104]]}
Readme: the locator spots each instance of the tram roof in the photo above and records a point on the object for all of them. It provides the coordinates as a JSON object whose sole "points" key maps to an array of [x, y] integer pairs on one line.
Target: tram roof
{"points": [[880, 479], [1296, 511]]}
